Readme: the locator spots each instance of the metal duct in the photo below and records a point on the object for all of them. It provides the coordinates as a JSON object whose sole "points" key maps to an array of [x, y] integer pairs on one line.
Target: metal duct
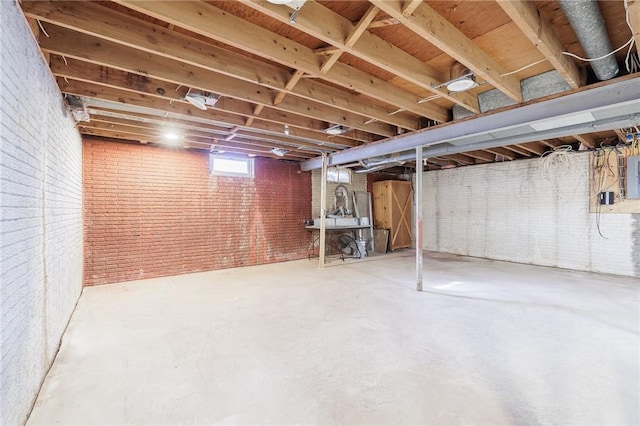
{"points": [[586, 20], [612, 105]]}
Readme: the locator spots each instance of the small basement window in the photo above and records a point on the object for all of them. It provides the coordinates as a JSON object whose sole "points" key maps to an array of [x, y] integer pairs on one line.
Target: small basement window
{"points": [[338, 175], [230, 166]]}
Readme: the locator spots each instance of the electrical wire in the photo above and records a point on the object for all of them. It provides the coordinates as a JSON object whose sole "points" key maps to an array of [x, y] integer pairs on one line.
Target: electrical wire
{"points": [[631, 62], [557, 162], [523, 68], [429, 98], [42, 29], [599, 57]]}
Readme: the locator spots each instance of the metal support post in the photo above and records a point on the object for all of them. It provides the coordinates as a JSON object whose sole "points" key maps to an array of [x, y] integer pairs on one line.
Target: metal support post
{"points": [[418, 200], [323, 209]]}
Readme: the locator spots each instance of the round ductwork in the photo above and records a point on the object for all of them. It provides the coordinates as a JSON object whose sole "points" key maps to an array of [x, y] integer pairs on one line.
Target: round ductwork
{"points": [[587, 22]]}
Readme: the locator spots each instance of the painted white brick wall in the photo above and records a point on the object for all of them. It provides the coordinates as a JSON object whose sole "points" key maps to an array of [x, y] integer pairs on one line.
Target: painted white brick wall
{"points": [[358, 183], [40, 217], [510, 211]]}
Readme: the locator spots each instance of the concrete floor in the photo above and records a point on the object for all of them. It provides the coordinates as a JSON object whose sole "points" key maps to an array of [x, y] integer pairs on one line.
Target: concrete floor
{"points": [[487, 343]]}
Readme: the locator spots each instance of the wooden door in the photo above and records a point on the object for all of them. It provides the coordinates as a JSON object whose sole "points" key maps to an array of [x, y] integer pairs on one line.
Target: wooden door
{"points": [[392, 210]]}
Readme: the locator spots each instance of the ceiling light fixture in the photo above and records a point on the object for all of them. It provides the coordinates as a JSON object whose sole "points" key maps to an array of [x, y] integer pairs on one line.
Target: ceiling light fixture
{"points": [[338, 129], [293, 4], [200, 100], [462, 78], [286, 129], [172, 137], [280, 152], [463, 83]]}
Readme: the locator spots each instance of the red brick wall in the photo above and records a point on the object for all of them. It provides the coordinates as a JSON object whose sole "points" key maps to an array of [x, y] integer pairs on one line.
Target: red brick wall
{"points": [[151, 212]]}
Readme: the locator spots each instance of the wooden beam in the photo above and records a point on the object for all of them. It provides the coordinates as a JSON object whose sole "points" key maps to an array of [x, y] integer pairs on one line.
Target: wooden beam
{"points": [[332, 28], [537, 29], [431, 26], [95, 91], [295, 78], [96, 129], [459, 158], [257, 129], [532, 147], [354, 35], [137, 120], [588, 140], [518, 150], [190, 130], [77, 71], [131, 116], [209, 21], [359, 29], [411, 5], [232, 134], [94, 50], [481, 155], [633, 7], [441, 162], [157, 124], [202, 131], [34, 27], [547, 143], [326, 50], [502, 152], [622, 138], [384, 22], [156, 133], [107, 24], [331, 61]]}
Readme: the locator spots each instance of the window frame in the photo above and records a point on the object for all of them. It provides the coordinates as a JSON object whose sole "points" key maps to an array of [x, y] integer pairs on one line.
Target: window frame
{"points": [[341, 171], [248, 160]]}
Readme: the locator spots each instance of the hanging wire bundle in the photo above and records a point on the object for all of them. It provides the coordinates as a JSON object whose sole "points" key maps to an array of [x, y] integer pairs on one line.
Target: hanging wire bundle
{"points": [[556, 163]]}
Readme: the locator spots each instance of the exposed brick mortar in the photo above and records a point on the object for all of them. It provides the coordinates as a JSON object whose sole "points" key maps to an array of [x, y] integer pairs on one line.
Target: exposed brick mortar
{"points": [[213, 222]]}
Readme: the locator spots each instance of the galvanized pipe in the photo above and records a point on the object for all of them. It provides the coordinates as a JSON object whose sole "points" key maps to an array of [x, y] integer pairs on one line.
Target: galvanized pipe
{"points": [[586, 20]]}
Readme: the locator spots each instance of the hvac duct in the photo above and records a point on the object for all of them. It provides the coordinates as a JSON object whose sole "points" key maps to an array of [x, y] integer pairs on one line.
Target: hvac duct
{"points": [[610, 106], [586, 20]]}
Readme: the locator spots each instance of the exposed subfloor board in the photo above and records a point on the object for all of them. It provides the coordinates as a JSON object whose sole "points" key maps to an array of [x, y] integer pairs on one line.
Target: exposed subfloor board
{"points": [[488, 342]]}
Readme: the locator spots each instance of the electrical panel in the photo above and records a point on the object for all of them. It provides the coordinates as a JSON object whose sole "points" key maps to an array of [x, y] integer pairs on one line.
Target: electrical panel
{"points": [[633, 177]]}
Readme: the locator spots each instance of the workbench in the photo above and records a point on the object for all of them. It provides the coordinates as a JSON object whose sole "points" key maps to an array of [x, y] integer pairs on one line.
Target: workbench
{"points": [[351, 228]]}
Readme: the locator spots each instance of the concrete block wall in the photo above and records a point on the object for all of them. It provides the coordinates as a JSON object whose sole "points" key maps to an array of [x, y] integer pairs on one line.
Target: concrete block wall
{"points": [[40, 217], [153, 212], [358, 183], [513, 211]]}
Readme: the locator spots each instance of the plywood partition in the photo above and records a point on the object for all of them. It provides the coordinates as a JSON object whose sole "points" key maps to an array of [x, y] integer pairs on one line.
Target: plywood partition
{"points": [[392, 210], [607, 173]]}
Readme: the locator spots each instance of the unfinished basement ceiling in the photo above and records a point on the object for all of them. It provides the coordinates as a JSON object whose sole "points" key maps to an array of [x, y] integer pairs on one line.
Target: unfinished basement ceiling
{"points": [[273, 77]]}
